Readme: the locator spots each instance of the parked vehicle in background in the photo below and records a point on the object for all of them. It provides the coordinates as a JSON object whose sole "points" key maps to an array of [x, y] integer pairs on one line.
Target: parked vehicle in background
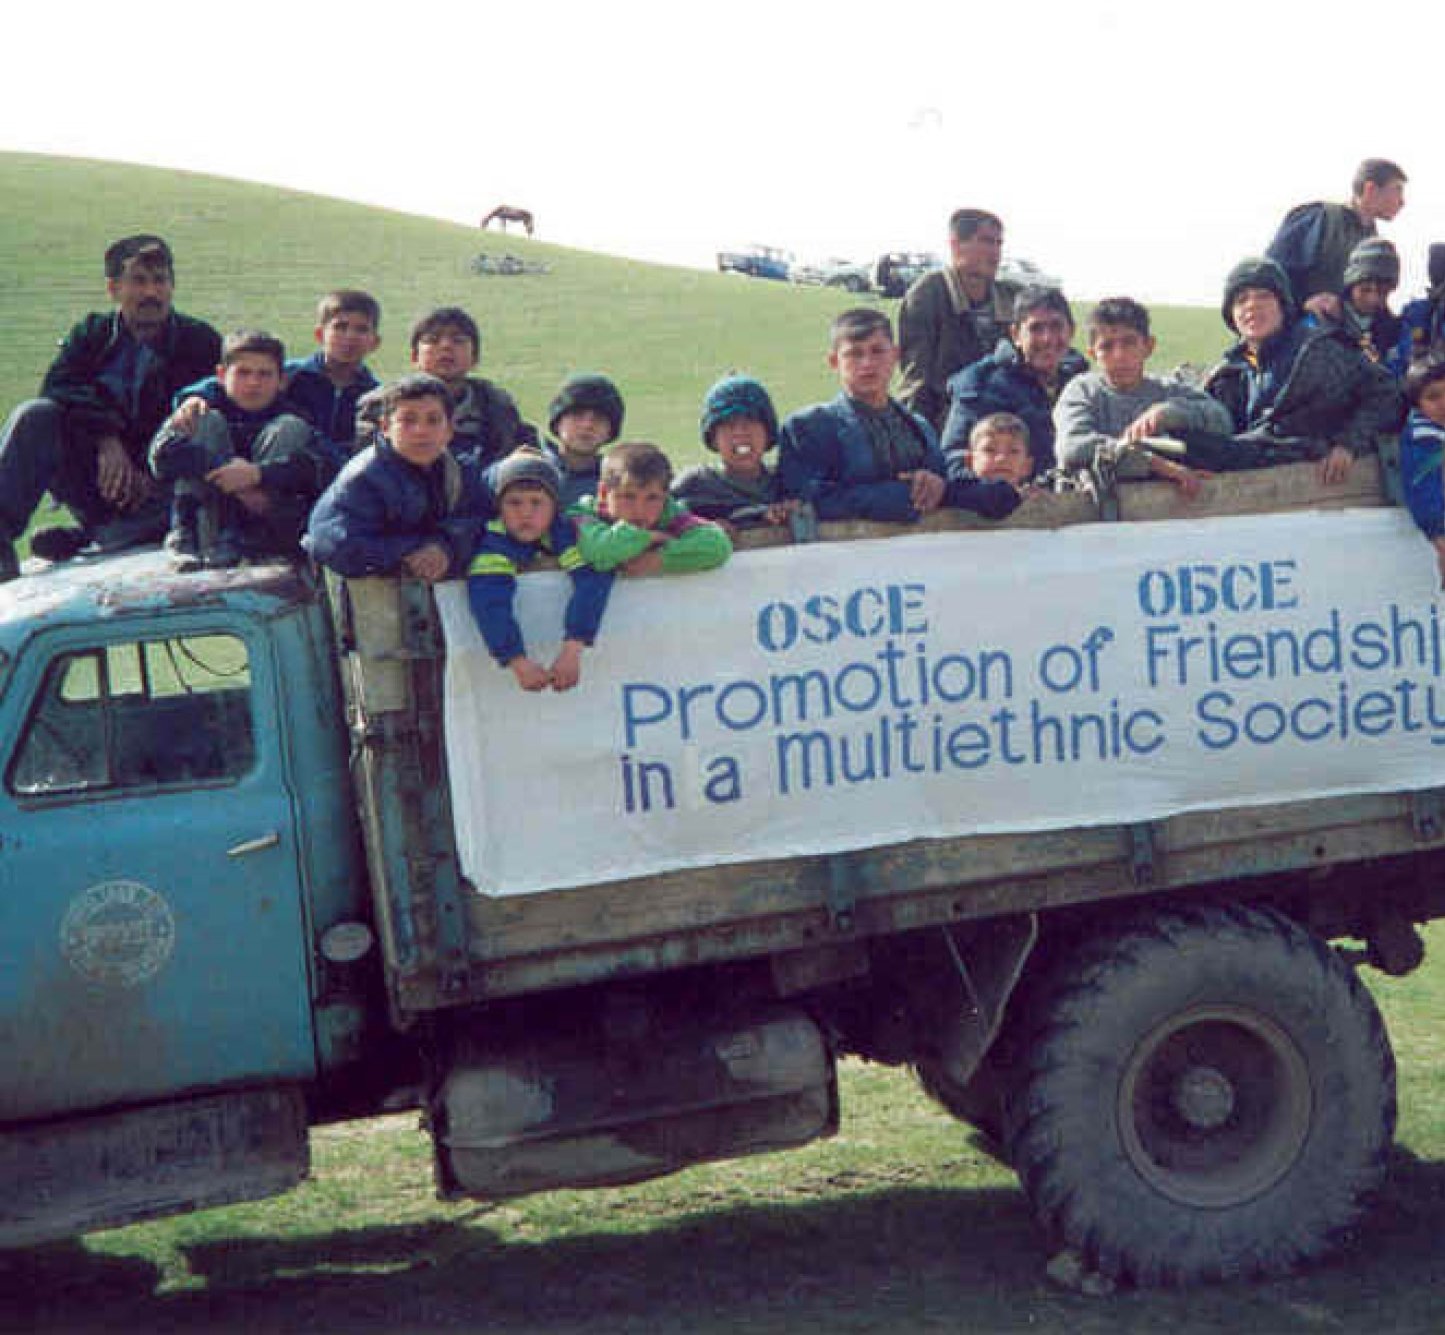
{"points": [[1025, 273], [757, 262], [895, 270], [833, 272]]}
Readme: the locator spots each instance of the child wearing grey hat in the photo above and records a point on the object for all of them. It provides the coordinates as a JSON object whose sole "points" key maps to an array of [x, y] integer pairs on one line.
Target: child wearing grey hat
{"points": [[528, 528], [1372, 273]]}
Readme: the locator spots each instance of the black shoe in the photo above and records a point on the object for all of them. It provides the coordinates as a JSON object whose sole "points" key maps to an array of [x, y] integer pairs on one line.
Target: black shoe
{"points": [[136, 529], [59, 544], [9, 562], [224, 552], [183, 549]]}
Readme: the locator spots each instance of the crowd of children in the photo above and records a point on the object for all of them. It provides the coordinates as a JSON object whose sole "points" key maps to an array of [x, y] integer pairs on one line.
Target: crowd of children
{"points": [[437, 475]]}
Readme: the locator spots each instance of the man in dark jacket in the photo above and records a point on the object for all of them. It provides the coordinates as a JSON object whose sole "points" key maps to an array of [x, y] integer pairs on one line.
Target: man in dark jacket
{"points": [[953, 316], [84, 440]]}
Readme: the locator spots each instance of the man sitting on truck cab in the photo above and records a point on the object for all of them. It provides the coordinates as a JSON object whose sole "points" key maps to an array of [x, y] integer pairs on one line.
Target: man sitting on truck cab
{"points": [[84, 439], [405, 505]]}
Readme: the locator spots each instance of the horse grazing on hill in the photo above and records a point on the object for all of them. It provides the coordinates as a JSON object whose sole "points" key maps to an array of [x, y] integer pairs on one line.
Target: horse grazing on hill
{"points": [[507, 213]]}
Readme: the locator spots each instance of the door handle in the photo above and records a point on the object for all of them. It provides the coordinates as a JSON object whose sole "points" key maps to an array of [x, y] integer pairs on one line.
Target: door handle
{"points": [[254, 845]]}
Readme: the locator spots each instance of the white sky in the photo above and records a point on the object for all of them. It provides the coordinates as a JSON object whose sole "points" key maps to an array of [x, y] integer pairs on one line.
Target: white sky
{"points": [[1131, 146]]}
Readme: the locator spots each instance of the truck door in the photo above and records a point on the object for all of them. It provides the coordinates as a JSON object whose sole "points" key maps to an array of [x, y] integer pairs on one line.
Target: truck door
{"points": [[152, 935]]}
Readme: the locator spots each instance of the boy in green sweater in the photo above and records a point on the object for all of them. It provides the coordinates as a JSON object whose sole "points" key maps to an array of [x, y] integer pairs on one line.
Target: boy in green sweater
{"points": [[633, 526]]}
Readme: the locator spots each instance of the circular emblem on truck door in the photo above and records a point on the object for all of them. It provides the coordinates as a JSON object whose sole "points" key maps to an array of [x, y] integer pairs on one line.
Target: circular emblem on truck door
{"points": [[118, 932]]}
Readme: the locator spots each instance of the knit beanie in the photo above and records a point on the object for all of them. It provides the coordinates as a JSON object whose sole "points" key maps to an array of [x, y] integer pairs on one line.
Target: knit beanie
{"points": [[1374, 257], [737, 396], [1256, 271], [525, 465], [587, 391]]}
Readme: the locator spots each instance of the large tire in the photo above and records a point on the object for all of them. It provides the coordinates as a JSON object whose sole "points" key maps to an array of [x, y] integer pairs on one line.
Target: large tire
{"points": [[1207, 1094]]}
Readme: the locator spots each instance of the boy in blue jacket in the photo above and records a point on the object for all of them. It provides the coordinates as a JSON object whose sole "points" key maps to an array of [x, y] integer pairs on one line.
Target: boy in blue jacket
{"points": [[326, 386], [1422, 451], [862, 455], [405, 505], [241, 456], [529, 526]]}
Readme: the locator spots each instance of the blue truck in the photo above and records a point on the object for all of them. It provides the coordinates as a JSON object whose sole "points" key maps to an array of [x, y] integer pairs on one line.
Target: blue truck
{"points": [[232, 908]]}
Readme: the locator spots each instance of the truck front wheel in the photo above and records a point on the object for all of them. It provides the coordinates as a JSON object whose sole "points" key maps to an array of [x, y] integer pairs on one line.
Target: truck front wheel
{"points": [[1205, 1094]]}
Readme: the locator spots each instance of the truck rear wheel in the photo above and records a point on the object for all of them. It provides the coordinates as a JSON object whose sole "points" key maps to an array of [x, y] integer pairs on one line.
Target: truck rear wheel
{"points": [[1207, 1094]]}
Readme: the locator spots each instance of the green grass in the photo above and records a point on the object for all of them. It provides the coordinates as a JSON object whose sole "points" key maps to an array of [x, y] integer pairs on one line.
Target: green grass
{"points": [[901, 1223], [254, 255]]}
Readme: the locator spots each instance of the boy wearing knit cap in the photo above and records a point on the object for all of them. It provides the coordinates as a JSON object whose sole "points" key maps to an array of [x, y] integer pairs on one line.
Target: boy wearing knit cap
{"points": [[528, 526], [1371, 274], [1294, 390], [740, 425], [584, 418]]}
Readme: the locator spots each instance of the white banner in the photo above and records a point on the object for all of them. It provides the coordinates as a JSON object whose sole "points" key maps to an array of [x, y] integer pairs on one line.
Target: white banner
{"points": [[811, 699]]}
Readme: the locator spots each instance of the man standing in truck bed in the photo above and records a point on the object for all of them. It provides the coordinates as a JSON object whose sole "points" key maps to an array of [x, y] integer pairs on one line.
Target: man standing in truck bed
{"points": [[953, 316], [84, 439]]}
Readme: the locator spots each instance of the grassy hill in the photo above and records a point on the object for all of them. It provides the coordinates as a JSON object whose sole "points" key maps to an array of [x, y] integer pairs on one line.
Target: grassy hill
{"points": [[256, 255]]}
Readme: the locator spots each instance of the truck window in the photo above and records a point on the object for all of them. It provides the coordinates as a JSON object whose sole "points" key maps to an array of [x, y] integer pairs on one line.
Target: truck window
{"points": [[139, 714]]}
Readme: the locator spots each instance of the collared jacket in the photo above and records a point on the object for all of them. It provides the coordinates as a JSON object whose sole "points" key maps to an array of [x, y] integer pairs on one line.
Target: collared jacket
{"points": [[1308, 383], [380, 508], [826, 457], [187, 350], [938, 336], [1003, 383], [492, 585], [486, 423], [330, 408], [1422, 448]]}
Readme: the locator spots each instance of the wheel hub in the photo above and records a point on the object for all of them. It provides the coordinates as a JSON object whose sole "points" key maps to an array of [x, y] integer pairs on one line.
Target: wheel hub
{"points": [[1204, 1097]]}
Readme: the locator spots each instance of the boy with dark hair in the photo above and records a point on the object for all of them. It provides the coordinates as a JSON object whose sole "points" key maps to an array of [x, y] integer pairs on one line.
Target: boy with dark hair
{"points": [[1422, 451], [999, 451], [862, 455], [1313, 243], [446, 343], [953, 316], [740, 425], [404, 505], [633, 525], [1422, 322], [528, 526], [242, 459], [584, 418], [1106, 415], [1024, 375], [84, 439], [327, 385]]}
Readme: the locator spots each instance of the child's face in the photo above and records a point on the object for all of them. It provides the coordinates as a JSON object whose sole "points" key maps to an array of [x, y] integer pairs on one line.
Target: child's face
{"points": [[1120, 353], [1257, 314], [527, 512], [741, 443], [419, 430], [1432, 401], [1042, 337], [252, 381], [348, 338], [1370, 296], [583, 430], [447, 353], [1001, 456], [636, 503], [865, 366]]}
